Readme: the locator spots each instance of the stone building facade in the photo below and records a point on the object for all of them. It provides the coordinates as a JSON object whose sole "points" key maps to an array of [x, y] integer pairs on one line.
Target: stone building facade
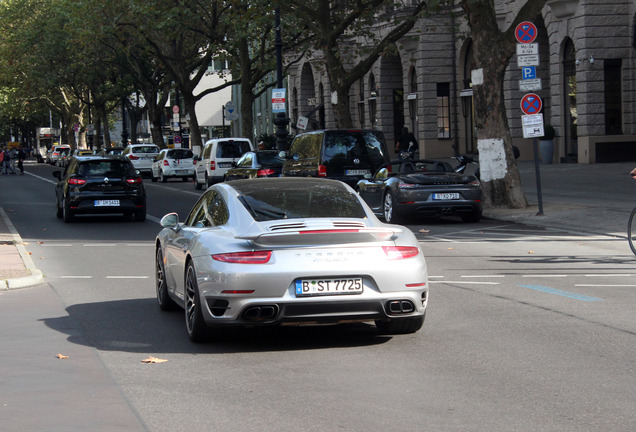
{"points": [[587, 67]]}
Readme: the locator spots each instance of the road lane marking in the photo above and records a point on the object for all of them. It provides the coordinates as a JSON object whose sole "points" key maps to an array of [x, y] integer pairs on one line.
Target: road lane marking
{"points": [[464, 282], [562, 293], [76, 277], [127, 277], [484, 276], [605, 285], [545, 276]]}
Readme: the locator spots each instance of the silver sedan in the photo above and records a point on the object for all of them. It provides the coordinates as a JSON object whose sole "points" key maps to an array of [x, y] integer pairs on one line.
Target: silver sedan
{"points": [[278, 251]]}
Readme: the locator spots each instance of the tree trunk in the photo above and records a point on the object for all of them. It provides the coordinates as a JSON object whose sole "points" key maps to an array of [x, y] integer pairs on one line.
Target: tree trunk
{"points": [[492, 53], [195, 132]]}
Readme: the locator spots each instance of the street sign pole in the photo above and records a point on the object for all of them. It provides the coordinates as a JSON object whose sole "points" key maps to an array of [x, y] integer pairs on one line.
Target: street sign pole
{"points": [[531, 104]]}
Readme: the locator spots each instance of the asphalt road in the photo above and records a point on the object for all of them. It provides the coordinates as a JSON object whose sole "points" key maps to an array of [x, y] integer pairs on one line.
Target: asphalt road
{"points": [[527, 329]]}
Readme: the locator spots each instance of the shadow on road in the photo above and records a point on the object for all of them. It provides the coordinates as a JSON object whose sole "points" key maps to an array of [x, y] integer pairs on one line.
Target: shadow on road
{"points": [[139, 326]]}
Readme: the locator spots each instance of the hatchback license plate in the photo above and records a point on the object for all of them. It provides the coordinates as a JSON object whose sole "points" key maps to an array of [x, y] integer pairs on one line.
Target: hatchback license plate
{"points": [[225, 164], [446, 196], [106, 203], [318, 287], [357, 172]]}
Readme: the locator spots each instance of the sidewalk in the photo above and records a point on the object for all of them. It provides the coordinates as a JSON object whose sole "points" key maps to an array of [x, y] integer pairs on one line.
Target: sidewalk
{"points": [[16, 266]]}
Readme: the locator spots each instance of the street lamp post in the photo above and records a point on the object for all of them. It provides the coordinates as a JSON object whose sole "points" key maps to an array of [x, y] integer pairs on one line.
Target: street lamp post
{"points": [[280, 118]]}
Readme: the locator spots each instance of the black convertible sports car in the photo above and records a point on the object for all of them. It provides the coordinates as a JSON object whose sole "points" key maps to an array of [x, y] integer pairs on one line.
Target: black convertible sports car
{"points": [[422, 188]]}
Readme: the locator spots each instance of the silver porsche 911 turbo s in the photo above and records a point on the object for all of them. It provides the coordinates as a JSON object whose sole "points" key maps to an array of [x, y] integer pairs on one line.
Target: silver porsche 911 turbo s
{"points": [[278, 251]]}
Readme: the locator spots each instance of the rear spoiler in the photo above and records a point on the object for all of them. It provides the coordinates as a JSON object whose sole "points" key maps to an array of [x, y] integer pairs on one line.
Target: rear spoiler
{"points": [[323, 236]]}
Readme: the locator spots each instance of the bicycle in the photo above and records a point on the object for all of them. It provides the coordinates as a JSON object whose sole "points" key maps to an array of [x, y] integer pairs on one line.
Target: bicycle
{"points": [[631, 224]]}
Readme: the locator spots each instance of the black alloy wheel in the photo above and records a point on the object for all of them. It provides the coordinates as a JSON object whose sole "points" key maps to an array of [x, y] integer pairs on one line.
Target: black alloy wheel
{"points": [[164, 300], [198, 331]]}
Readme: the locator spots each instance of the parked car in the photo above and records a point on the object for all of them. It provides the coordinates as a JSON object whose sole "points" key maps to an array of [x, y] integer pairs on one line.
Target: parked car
{"points": [[178, 162], [99, 185], [288, 250], [262, 163], [422, 188], [142, 156], [217, 157], [54, 152], [345, 155]]}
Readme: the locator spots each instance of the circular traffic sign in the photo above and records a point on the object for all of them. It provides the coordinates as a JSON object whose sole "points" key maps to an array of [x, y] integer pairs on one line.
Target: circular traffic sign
{"points": [[175, 109], [526, 32], [176, 139], [531, 104]]}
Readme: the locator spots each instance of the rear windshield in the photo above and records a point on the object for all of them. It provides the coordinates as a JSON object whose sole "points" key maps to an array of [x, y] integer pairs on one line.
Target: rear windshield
{"points": [[105, 168], [269, 158], [232, 149], [180, 154], [367, 146], [283, 199], [145, 149]]}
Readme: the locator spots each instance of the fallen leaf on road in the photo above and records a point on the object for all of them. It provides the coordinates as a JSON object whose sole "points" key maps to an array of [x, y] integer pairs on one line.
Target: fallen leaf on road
{"points": [[61, 356], [530, 252], [424, 230], [152, 359], [40, 242], [450, 248]]}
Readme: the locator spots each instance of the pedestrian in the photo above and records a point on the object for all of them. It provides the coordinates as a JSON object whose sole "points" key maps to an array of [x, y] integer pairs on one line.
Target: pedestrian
{"points": [[14, 158], [6, 162], [2, 161], [21, 156], [406, 143]]}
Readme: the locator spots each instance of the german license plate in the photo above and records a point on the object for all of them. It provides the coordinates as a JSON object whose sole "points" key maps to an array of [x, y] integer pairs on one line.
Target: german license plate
{"points": [[446, 196], [225, 164], [106, 203], [182, 171], [318, 287], [356, 172]]}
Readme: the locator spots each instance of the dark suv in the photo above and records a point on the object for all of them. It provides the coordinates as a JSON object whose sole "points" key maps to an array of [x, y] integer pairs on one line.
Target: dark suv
{"points": [[98, 185], [345, 155]]}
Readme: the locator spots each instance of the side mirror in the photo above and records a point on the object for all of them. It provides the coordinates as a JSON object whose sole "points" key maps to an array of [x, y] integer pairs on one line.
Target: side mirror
{"points": [[57, 175], [171, 220]]}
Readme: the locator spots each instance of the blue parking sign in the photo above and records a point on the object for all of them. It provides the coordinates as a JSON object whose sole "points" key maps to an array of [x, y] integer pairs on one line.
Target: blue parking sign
{"points": [[528, 72]]}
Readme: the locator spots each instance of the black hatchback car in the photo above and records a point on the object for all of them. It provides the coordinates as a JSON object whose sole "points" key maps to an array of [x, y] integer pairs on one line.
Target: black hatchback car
{"points": [[346, 155], [100, 185]]}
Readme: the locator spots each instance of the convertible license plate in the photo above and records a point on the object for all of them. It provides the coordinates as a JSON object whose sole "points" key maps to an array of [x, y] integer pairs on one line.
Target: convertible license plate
{"points": [[225, 164], [318, 287], [446, 196], [357, 172], [106, 203]]}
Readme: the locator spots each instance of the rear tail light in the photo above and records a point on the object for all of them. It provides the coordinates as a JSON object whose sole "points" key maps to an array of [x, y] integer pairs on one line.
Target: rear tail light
{"points": [[252, 257], [133, 157], [166, 163], [322, 171], [400, 252], [76, 181], [134, 180], [212, 165], [265, 172]]}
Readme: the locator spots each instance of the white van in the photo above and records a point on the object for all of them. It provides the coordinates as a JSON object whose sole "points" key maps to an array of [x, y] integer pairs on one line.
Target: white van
{"points": [[217, 157]]}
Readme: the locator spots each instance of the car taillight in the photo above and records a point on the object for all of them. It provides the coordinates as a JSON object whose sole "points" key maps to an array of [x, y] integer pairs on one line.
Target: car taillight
{"points": [[166, 163], [400, 252], [133, 157], [134, 180], [265, 172], [76, 181], [322, 171], [212, 165], [252, 257]]}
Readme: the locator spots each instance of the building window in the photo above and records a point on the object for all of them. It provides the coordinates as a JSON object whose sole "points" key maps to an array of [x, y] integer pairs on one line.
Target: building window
{"points": [[443, 110], [218, 64], [613, 99]]}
